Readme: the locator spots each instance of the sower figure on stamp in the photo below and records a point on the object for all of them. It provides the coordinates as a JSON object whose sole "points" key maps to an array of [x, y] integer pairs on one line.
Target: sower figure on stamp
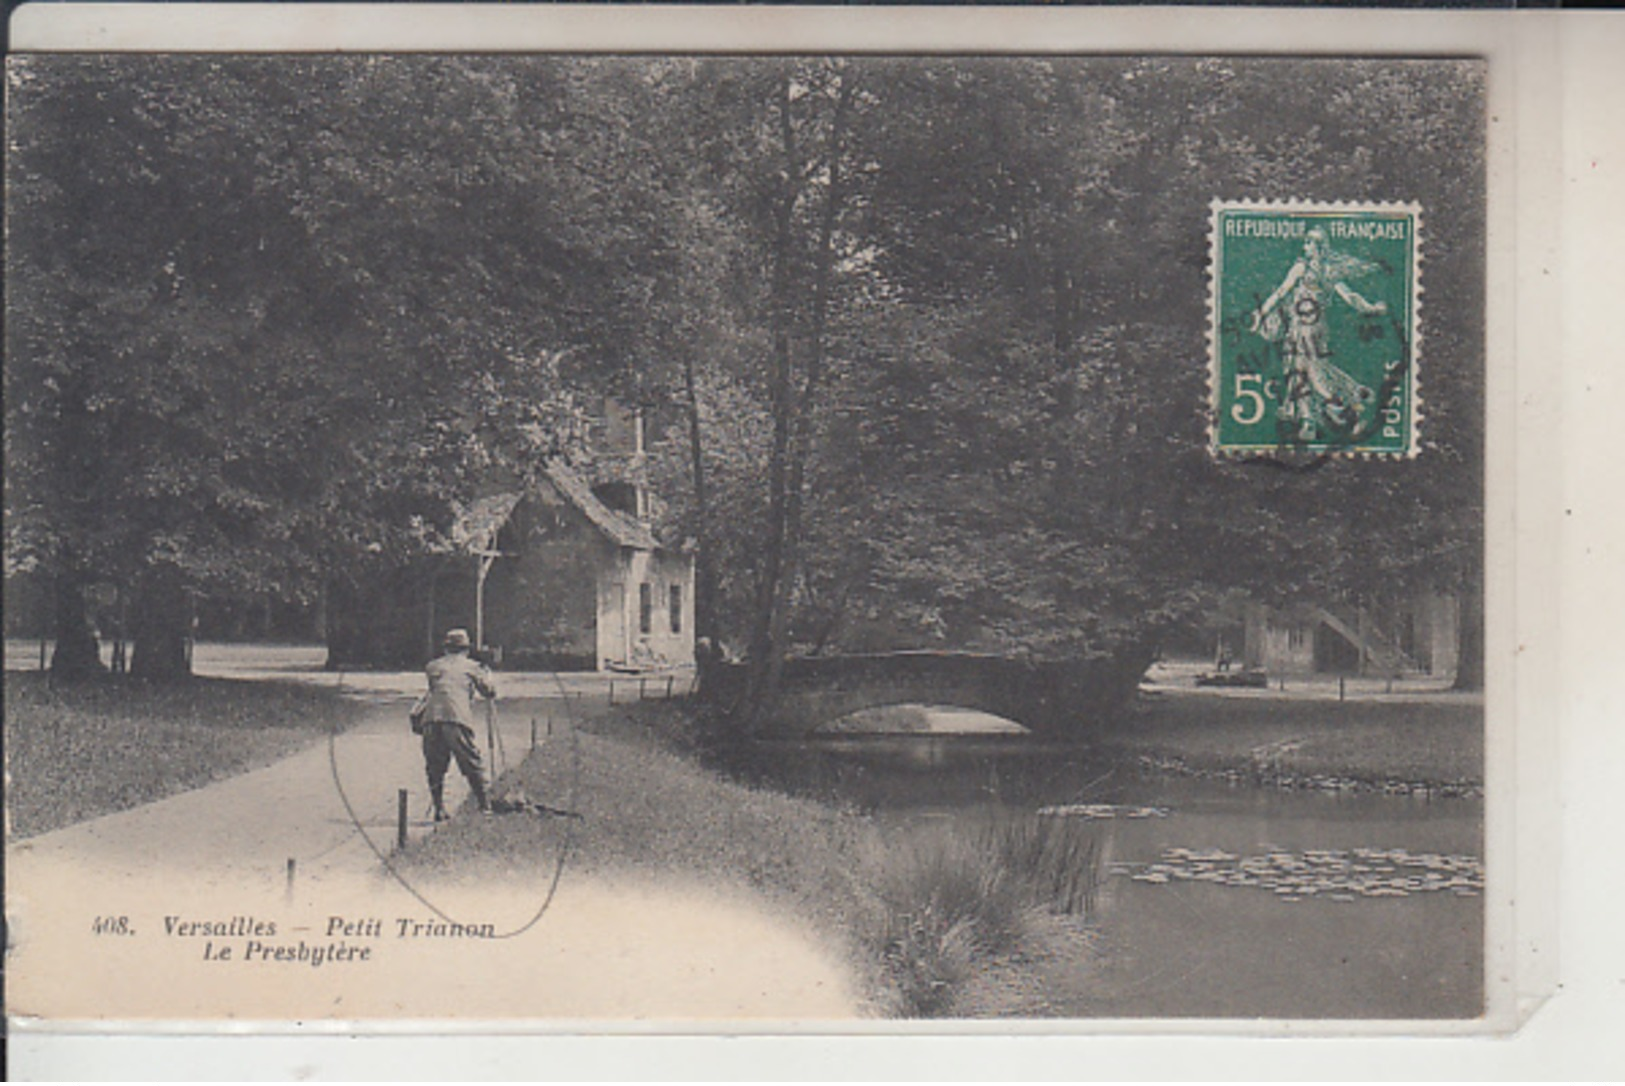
{"points": [[1316, 388], [455, 679]]}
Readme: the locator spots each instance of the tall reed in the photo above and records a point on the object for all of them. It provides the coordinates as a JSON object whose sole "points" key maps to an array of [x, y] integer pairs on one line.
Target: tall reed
{"points": [[953, 893]]}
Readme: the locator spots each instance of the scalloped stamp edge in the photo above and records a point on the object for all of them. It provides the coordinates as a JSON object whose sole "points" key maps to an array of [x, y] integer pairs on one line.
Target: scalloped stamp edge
{"points": [[1413, 438]]}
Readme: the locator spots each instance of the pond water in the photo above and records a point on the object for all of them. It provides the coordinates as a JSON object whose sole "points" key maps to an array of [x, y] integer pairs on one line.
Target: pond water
{"points": [[1216, 900]]}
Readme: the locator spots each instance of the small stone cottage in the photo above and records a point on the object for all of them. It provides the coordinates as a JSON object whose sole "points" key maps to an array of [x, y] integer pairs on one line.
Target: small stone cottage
{"points": [[561, 572], [554, 576]]}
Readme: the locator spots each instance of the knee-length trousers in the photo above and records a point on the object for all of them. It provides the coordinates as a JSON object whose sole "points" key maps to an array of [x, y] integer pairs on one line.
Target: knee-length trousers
{"points": [[444, 741]]}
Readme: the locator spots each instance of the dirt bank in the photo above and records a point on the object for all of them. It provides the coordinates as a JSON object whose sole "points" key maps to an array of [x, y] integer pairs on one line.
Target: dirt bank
{"points": [[1403, 744]]}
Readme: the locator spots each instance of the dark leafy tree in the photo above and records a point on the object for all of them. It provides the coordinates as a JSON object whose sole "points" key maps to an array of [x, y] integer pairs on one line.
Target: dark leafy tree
{"points": [[225, 334], [933, 330]]}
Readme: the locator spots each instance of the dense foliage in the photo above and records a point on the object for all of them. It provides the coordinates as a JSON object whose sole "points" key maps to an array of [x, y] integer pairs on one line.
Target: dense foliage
{"points": [[928, 333]]}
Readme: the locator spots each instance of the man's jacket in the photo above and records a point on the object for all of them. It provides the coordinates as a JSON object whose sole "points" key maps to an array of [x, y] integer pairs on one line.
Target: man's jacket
{"points": [[454, 679]]}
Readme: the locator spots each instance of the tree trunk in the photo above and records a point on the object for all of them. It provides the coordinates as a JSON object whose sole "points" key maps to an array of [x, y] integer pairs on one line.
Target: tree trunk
{"points": [[78, 652], [766, 648], [356, 617], [792, 406], [338, 626], [1470, 647], [162, 623], [817, 355], [705, 577]]}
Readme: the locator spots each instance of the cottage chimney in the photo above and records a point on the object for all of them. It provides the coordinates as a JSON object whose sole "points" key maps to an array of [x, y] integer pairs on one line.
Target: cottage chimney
{"points": [[620, 472], [622, 431]]}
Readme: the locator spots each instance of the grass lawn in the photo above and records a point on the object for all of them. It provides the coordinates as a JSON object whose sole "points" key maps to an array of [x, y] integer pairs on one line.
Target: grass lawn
{"points": [[1431, 741], [74, 752]]}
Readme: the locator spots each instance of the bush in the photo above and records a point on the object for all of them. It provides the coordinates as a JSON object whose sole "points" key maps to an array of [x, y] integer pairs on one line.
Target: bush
{"points": [[952, 894]]}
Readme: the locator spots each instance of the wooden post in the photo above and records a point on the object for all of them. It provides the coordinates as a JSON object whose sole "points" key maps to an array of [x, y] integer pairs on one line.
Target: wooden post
{"points": [[1340, 681], [121, 647], [191, 629], [549, 723], [643, 685], [532, 733], [50, 628], [612, 691], [430, 634], [400, 819], [669, 680], [483, 570]]}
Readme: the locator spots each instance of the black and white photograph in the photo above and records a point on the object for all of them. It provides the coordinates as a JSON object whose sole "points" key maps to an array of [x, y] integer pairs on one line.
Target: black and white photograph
{"points": [[746, 537]]}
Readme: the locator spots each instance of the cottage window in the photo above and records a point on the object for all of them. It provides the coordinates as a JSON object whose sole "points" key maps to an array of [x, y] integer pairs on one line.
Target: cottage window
{"points": [[646, 608], [676, 608]]}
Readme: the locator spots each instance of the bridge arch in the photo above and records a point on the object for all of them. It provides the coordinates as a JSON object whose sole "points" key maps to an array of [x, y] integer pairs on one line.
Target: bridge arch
{"points": [[1058, 699]]}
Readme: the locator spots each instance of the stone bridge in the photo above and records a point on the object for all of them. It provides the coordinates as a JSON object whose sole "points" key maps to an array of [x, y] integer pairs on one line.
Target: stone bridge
{"points": [[1058, 699]]}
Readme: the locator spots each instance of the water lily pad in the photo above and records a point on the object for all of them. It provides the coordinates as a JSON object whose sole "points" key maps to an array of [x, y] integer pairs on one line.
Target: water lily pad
{"points": [[1327, 873]]}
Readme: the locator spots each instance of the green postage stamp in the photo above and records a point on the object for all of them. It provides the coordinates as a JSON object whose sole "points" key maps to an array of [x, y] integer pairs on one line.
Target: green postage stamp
{"points": [[1314, 329]]}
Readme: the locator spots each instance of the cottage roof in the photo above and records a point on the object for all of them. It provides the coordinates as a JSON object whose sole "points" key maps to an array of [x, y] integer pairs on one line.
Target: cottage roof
{"points": [[477, 527], [618, 526]]}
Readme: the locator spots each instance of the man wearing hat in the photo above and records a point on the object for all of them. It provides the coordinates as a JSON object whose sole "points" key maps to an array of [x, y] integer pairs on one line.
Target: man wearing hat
{"points": [[455, 678]]}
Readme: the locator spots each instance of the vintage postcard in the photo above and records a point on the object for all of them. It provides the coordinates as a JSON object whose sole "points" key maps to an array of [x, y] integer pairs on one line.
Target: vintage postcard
{"points": [[842, 538]]}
